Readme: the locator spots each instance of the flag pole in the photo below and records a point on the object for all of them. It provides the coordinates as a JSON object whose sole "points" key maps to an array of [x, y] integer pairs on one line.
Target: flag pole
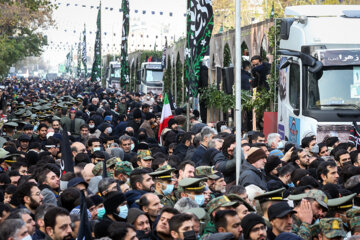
{"points": [[238, 88]]}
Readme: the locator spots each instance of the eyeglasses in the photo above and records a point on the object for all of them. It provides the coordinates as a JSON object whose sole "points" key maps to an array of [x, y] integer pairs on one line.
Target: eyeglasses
{"points": [[262, 228], [37, 194]]}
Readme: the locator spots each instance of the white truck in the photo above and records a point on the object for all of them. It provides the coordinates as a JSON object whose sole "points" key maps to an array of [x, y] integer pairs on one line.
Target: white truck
{"points": [[113, 75], [319, 78], [150, 78]]}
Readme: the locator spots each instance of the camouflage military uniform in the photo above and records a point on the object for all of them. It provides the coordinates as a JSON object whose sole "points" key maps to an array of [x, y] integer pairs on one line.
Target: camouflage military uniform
{"points": [[166, 201], [332, 228], [124, 167], [98, 169], [302, 229]]}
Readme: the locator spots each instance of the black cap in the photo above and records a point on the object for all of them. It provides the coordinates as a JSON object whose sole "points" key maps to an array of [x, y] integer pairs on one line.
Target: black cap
{"points": [[28, 127], [279, 210], [24, 138], [76, 181]]}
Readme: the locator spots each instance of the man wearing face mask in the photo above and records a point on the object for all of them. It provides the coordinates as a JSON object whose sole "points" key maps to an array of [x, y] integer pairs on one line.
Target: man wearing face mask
{"points": [[116, 211], [181, 227], [163, 185], [193, 188]]}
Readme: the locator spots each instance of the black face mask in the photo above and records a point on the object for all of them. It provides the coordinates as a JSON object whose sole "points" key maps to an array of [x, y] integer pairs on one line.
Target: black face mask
{"points": [[190, 235]]}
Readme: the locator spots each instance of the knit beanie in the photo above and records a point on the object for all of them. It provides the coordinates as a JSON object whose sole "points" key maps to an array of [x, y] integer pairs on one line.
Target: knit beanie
{"points": [[271, 163], [255, 154], [113, 201], [133, 214], [97, 199], [248, 222]]}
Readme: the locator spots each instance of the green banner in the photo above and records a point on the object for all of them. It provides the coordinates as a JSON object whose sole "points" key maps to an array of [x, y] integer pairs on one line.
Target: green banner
{"points": [[96, 68], [124, 43]]}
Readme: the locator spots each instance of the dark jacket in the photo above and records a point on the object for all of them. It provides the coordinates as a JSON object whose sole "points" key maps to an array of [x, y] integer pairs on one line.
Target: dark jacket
{"points": [[226, 166], [245, 77], [38, 235], [101, 228], [132, 196], [198, 154], [180, 150], [251, 175], [170, 137]]}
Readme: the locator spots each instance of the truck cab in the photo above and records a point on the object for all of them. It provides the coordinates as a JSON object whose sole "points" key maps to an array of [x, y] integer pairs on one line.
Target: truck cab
{"points": [[319, 78], [113, 75], [150, 77]]}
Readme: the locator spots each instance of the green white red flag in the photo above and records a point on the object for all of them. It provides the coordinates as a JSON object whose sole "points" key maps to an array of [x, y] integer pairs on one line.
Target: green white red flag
{"points": [[166, 115]]}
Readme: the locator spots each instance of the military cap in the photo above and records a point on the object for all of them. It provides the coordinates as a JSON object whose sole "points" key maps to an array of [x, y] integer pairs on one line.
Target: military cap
{"points": [[315, 230], [97, 170], [276, 195], [354, 212], [20, 112], [206, 171], [354, 222], [191, 184], [236, 198], [342, 203], [222, 201], [332, 227], [144, 154], [199, 212], [11, 124], [124, 167], [163, 172], [315, 194], [26, 114], [56, 118]]}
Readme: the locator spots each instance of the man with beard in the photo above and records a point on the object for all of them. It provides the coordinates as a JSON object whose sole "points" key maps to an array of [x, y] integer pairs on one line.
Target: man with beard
{"points": [[56, 126], [280, 217], [161, 228], [24, 141], [24, 215], [140, 221], [136, 122], [254, 227], [125, 144], [219, 185], [309, 207], [300, 158], [29, 196], [141, 182], [49, 185], [150, 120], [58, 224], [228, 221]]}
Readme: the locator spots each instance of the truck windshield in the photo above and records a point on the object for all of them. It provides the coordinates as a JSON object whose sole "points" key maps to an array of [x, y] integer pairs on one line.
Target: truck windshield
{"points": [[154, 76], [115, 72], [339, 87]]}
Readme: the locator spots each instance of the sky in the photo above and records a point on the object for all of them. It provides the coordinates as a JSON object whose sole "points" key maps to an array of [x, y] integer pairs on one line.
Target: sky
{"points": [[150, 22]]}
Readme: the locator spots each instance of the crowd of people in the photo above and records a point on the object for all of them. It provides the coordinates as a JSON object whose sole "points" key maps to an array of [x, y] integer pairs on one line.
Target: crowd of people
{"points": [[131, 182]]}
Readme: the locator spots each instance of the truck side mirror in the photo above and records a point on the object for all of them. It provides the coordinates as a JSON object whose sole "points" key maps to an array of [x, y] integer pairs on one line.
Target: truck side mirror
{"points": [[296, 112], [286, 63]]}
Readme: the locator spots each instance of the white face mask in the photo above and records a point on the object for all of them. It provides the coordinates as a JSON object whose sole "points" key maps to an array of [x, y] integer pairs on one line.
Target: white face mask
{"points": [[91, 126], [28, 237], [132, 146]]}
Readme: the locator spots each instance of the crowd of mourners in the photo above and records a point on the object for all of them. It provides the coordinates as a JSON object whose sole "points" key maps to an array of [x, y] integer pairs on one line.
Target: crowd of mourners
{"points": [[132, 182]]}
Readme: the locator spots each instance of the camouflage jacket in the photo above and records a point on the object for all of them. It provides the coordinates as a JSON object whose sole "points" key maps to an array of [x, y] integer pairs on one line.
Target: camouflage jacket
{"points": [[301, 229], [166, 201]]}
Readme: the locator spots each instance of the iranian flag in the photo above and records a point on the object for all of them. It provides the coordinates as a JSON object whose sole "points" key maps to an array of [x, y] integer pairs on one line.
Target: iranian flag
{"points": [[166, 115]]}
